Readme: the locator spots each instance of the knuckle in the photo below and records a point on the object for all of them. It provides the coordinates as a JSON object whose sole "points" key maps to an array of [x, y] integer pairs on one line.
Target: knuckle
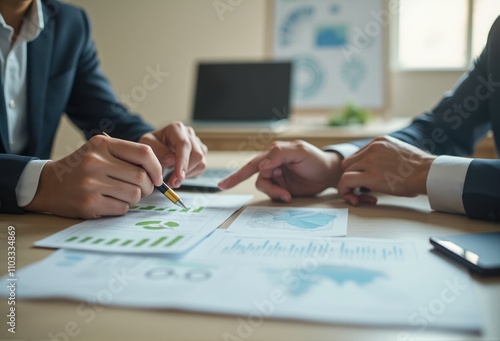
{"points": [[140, 175], [184, 140], [90, 161], [122, 208], [197, 156], [177, 124], [275, 144], [190, 131], [276, 147], [98, 139], [300, 144], [145, 150], [135, 194]]}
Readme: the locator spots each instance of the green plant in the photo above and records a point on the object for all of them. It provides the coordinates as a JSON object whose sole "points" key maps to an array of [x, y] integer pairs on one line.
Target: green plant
{"points": [[350, 114]]}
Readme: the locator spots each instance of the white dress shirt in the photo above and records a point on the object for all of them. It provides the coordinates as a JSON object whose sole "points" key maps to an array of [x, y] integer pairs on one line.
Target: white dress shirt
{"points": [[13, 63], [445, 181]]}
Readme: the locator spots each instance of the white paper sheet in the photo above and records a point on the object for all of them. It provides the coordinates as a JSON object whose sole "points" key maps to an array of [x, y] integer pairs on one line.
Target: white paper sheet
{"points": [[431, 293], [154, 225], [284, 221], [228, 247]]}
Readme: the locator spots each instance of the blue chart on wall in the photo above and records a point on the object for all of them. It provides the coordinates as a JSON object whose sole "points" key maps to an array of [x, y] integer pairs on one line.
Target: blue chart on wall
{"points": [[336, 47]]}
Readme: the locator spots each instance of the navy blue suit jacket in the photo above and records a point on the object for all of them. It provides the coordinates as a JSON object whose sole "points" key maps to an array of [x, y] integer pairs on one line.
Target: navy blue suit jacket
{"points": [[64, 76], [461, 120]]}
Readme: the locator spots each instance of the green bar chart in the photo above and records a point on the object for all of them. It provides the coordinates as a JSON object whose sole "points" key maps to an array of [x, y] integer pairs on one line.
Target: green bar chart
{"points": [[156, 242], [153, 225]]}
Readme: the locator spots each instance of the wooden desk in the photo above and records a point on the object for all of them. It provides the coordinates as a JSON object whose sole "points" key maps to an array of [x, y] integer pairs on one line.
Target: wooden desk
{"points": [[398, 218], [312, 129]]}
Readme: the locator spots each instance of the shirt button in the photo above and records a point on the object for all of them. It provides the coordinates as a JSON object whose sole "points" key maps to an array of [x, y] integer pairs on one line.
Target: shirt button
{"points": [[12, 104]]}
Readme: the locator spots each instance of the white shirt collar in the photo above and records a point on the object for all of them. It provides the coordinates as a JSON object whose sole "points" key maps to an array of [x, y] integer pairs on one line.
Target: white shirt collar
{"points": [[32, 24]]}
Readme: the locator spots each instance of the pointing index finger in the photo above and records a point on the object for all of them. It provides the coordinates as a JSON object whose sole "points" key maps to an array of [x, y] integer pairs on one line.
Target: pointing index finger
{"points": [[243, 173]]}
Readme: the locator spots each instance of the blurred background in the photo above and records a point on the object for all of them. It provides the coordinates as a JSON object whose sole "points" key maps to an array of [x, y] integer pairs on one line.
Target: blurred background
{"points": [[426, 46]]}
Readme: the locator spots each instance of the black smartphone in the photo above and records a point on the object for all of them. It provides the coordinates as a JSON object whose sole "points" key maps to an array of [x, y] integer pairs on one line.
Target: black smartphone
{"points": [[480, 252], [206, 182]]}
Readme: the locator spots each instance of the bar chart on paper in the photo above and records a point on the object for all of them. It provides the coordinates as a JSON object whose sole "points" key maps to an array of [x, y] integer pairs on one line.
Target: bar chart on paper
{"points": [[124, 243], [346, 250], [151, 226]]}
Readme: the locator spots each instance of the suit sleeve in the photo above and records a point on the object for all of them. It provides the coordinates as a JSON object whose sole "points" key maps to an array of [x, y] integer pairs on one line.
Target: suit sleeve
{"points": [[12, 168], [456, 125], [92, 105]]}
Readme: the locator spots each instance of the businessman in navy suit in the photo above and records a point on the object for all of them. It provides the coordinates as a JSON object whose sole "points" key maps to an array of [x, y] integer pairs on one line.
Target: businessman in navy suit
{"points": [[50, 67], [428, 157]]}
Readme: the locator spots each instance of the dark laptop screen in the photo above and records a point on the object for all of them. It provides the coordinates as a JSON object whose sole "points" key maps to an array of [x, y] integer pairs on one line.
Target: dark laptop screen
{"points": [[234, 92]]}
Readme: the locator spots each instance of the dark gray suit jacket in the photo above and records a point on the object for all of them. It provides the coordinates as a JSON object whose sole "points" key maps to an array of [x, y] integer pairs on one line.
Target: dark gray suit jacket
{"points": [[462, 119]]}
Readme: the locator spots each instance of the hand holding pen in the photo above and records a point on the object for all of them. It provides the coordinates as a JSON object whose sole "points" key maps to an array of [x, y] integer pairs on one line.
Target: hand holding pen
{"points": [[165, 190], [108, 175], [102, 178]]}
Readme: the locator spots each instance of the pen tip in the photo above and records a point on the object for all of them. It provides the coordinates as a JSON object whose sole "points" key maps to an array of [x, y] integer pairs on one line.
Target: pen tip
{"points": [[181, 204]]}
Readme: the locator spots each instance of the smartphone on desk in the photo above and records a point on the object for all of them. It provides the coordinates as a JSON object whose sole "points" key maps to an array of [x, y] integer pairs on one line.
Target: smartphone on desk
{"points": [[206, 182], [480, 252]]}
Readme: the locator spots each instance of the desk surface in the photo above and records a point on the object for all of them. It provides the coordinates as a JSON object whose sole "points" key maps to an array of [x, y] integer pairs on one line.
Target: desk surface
{"points": [[394, 218]]}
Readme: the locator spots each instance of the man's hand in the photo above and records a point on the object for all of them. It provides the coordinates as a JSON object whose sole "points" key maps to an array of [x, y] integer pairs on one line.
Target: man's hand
{"points": [[177, 145], [104, 177], [385, 165], [290, 169]]}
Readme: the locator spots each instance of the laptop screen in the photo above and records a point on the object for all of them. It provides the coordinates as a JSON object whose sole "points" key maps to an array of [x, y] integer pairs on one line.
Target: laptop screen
{"points": [[237, 92]]}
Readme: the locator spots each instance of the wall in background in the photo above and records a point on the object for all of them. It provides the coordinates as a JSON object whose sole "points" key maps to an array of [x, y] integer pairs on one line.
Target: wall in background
{"points": [[135, 37]]}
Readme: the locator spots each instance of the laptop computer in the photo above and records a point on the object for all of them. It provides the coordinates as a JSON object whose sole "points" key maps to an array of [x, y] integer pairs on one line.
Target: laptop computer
{"points": [[242, 95]]}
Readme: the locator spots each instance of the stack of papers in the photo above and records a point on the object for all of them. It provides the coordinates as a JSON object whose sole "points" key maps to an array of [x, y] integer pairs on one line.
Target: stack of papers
{"points": [[280, 262]]}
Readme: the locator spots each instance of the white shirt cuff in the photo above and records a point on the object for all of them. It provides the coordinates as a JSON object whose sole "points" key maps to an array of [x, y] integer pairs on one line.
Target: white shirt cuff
{"points": [[445, 183], [28, 182], [344, 149]]}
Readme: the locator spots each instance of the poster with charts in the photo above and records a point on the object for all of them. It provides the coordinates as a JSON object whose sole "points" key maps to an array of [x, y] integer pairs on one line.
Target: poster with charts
{"points": [[432, 293], [284, 221], [337, 50], [154, 225]]}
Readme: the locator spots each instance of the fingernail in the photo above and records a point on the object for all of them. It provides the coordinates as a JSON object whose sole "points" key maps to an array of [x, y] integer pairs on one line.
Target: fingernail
{"points": [[285, 198]]}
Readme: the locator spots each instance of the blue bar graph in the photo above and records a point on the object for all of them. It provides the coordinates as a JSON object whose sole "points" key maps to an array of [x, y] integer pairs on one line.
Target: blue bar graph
{"points": [[349, 251], [276, 248]]}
